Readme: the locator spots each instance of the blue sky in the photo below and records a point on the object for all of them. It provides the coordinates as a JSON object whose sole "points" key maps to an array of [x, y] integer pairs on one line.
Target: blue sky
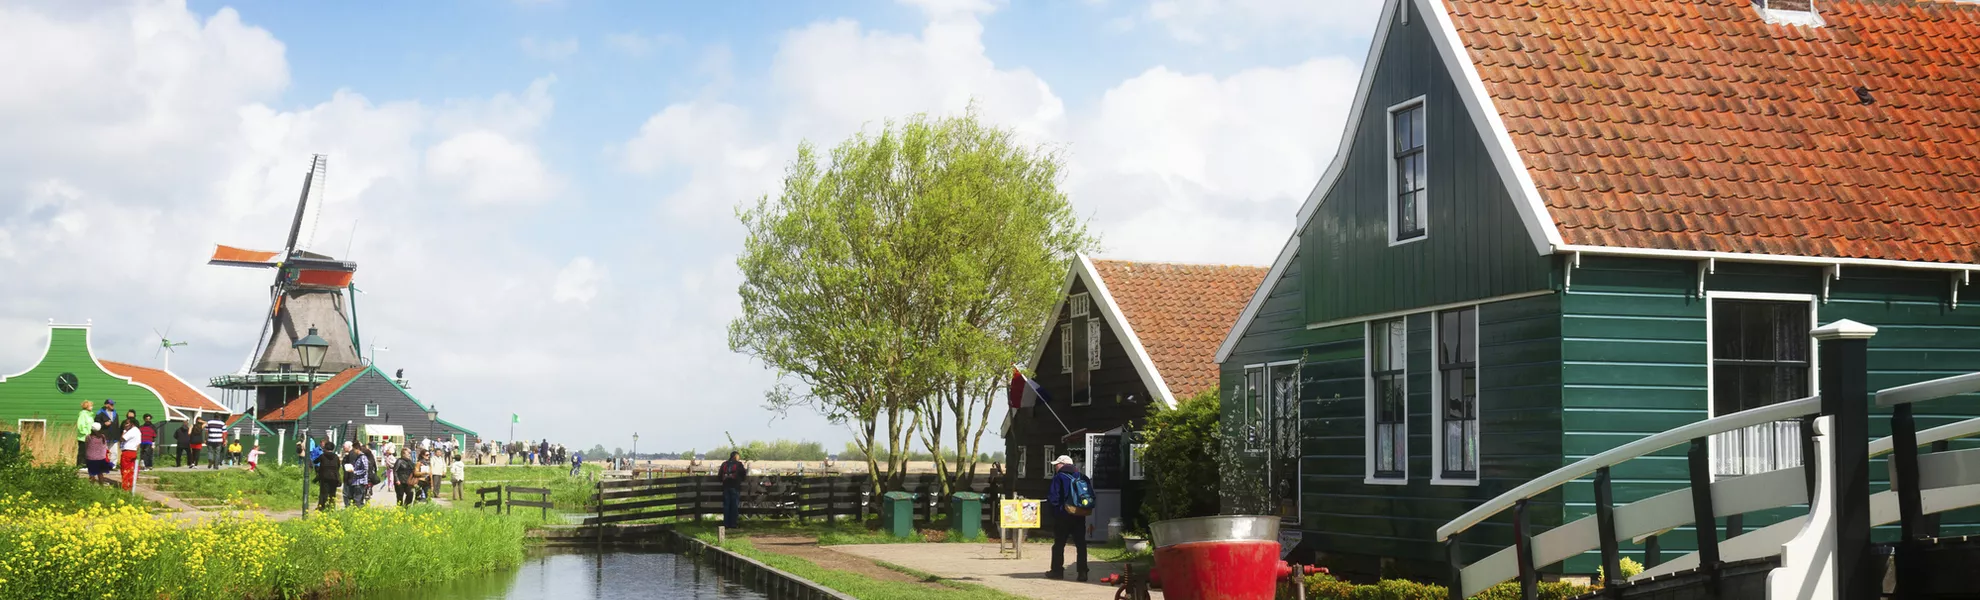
{"points": [[540, 193]]}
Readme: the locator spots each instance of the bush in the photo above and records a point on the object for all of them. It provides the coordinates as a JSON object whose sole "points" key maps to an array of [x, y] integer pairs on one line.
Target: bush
{"points": [[57, 487], [1182, 451], [1325, 587]]}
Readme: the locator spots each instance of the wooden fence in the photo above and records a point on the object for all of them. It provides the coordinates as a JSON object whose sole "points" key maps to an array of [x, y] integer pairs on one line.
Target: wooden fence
{"points": [[800, 497], [505, 499]]}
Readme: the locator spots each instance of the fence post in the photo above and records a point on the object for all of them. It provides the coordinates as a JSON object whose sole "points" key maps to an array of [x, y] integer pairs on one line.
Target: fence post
{"points": [[1605, 523], [1653, 552], [1844, 378], [1529, 573], [1453, 555], [1704, 521]]}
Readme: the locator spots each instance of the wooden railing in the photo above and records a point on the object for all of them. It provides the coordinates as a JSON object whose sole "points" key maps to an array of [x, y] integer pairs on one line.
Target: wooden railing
{"points": [[504, 499], [801, 497]]}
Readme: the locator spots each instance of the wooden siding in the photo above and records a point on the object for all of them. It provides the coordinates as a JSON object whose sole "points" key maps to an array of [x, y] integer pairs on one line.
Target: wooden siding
{"points": [[1111, 386], [34, 395], [1519, 375], [1477, 245], [345, 410], [1634, 340]]}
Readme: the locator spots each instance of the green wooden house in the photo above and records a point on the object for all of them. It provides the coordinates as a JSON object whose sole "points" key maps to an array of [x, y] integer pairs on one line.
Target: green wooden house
{"points": [[42, 401], [1555, 226]]}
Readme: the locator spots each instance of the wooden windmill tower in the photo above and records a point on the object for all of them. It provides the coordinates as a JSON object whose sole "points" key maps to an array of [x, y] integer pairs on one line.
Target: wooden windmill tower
{"points": [[309, 290]]}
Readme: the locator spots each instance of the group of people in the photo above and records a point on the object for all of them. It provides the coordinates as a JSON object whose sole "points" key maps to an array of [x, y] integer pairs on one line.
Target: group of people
{"points": [[104, 443], [358, 469], [541, 453]]}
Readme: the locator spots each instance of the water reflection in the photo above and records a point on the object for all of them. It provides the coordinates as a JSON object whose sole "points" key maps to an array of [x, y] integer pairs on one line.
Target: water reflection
{"points": [[589, 576]]}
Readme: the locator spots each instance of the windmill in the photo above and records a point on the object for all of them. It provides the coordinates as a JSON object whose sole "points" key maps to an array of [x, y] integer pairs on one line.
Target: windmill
{"points": [[309, 290], [165, 347]]}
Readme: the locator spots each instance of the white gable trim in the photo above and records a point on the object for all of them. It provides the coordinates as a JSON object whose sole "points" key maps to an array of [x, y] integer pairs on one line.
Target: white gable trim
{"points": [[1258, 299], [1096, 288]]}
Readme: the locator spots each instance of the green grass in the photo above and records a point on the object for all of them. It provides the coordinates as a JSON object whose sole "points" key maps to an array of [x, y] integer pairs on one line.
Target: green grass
{"points": [[58, 487], [569, 494], [273, 487], [861, 586], [844, 532]]}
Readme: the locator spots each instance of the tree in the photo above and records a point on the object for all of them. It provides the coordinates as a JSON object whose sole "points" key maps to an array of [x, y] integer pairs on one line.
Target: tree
{"points": [[1182, 453], [892, 282]]}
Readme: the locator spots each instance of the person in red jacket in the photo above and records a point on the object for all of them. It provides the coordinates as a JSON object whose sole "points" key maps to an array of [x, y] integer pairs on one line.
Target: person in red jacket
{"points": [[150, 432]]}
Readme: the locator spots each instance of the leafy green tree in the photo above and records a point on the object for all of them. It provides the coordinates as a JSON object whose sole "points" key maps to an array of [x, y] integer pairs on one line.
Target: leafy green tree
{"points": [[891, 283], [1182, 454]]}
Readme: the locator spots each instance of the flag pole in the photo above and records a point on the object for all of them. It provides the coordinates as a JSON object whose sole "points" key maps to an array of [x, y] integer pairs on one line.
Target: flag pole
{"points": [[1055, 415]]}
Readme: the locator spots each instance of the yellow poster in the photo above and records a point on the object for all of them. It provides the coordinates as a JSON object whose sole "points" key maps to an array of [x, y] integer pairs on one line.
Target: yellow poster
{"points": [[1019, 514]]}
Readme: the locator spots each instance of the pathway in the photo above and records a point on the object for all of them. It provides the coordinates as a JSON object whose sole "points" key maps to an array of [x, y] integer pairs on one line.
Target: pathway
{"points": [[982, 564]]}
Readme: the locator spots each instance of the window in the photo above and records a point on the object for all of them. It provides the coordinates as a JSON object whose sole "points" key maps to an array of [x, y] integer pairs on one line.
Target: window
{"points": [[1283, 463], [1457, 393], [1093, 345], [1760, 356], [1081, 304], [1065, 348], [1135, 468], [371, 410], [1409, 212], [1047, 457], [1254, 408], [1019, 463], [1388, 353]]}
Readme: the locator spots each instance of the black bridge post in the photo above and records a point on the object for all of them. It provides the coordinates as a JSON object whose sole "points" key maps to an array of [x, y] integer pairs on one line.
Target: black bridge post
{"points": [[1653, 552], [1704, 520], [1605, 522], [1844, 379], [1453, 554], [1529, 573], [1911, 508]]}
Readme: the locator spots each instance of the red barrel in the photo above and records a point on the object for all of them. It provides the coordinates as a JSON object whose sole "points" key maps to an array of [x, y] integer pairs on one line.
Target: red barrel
{"points": [[1218, 558]]}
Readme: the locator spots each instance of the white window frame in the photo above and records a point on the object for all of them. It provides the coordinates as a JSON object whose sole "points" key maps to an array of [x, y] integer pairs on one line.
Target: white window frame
{"points": [[1368, 407], [1437, 397], [1021, 470], [1065, 347], [1082, 304], [1048, 457], [1136, 471], [1422, 203], [372, 409], [1093, 344], [1271, 426], [1814, 354], [20, 430]]}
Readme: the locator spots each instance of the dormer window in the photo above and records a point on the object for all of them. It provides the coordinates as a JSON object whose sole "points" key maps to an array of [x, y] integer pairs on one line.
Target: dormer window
{"points": [[1789, 12]]}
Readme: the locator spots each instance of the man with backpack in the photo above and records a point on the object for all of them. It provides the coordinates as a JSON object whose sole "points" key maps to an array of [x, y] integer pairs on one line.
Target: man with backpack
{"points": [[1070, 500], [732, 474]]}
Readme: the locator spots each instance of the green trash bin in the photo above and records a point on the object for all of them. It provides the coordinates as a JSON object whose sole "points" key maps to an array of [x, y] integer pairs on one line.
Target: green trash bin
{"points": [[966, 515], [897, 514], [10, 446]]}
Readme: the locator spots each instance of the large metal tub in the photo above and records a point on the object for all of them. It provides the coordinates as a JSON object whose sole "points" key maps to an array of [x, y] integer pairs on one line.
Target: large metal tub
{"points": [[1218, 558]]}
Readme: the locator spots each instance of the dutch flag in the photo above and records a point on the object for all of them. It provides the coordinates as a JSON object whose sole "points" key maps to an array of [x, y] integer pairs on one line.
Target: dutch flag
{"points": [[1024, 391]]}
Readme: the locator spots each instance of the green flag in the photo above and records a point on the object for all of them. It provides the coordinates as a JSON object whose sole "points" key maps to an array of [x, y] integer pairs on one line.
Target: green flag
{"points": [[515, 418]]}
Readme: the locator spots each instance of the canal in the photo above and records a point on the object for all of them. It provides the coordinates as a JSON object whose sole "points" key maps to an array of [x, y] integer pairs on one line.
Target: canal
{"points": [[588, 576]]}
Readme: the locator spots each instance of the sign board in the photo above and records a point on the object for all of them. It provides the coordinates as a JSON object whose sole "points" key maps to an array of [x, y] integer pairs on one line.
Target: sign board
{"points": [[1019, 514], [1288, 540]]}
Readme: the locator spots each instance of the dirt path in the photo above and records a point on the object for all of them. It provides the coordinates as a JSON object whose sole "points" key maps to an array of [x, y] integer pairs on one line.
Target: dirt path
{"points": [[808, 549]]}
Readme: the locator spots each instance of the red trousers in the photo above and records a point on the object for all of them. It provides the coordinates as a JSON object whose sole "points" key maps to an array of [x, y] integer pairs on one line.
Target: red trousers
{"points": [[127, 464]]}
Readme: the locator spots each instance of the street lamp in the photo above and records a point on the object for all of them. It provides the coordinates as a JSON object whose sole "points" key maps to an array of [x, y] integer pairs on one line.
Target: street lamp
{"points": [[432, 418], [311, 348], [635, 453]]}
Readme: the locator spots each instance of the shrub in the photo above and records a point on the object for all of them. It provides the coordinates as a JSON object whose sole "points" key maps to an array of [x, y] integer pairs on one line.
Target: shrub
{"points": [[54, 486], [1183, 446], [1325, 587]]}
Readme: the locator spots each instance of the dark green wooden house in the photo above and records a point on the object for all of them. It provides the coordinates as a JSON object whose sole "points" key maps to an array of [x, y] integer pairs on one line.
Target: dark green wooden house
{"points": [[1555, 226]]}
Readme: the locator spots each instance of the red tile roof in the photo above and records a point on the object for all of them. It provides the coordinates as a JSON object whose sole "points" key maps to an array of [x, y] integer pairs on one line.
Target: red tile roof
{"points": [[1697, 125], [294, 408], [171, 390], [1180, 313]]}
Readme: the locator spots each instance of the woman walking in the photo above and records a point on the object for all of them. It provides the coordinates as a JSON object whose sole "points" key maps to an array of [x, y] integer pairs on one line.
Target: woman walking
{"points": [[127, 460], [96, 451], [402, 474], [423, 477]]}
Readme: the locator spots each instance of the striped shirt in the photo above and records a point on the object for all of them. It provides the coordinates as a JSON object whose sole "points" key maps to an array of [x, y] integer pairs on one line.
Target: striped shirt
{"points": [[216, 431]]}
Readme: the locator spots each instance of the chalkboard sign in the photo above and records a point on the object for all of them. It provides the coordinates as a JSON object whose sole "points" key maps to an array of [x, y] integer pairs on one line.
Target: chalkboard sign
{"points": [[1108, 470]]}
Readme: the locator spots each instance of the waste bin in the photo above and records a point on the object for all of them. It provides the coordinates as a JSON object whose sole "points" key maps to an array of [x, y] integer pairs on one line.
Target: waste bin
{"points": [[897, 513], [10, 446], [966, 515]]}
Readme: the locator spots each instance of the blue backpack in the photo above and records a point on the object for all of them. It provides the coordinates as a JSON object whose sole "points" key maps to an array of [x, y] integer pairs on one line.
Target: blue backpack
{"points": [[1079, 495]]}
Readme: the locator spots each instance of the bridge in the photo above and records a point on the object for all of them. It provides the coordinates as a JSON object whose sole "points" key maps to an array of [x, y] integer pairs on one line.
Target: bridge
{"points": [[1826, 553]]}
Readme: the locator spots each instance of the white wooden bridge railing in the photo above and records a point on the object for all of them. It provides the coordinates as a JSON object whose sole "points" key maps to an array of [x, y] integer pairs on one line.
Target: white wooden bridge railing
{"points": [[1822, 554]]}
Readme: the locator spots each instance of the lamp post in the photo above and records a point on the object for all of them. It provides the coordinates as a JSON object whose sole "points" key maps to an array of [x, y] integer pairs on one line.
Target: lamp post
{"points": [[311, 348], [635, 452], [432, 420]]}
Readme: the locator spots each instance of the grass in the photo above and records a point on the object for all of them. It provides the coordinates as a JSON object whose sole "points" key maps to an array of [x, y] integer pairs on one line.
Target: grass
{"points": [[844, 532], [861, 586], [58, 487], [273, 487], [569, 494]]}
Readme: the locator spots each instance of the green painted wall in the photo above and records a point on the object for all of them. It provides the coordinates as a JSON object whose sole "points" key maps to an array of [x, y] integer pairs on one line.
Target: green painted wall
{"points": [[1477, 245], [34, 395], [1634, 334]]}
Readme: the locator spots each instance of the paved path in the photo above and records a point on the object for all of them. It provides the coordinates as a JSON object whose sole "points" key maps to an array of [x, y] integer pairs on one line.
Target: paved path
{"points": [[982, 564]]}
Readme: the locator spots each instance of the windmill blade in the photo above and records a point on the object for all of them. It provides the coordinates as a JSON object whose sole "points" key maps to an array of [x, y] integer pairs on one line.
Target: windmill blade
{"points": [[317, 164], [229, 256]]}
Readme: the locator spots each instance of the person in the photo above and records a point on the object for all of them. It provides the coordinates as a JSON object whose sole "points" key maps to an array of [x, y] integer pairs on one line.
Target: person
{"points": [[127, 460], [732, 473], [150, 433], [234, 451], [328, 475], [402, 474], [254, 456], [357, 476], [181, 445], [96, 450], [216, 436], [457, 472], [109, 411], [85, 424], [1066, 523], [436, 471], [577, 463]]}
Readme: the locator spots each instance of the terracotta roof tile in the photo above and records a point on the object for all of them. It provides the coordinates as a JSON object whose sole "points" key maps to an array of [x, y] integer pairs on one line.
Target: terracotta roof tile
{"points": [[171, 390], [1181, 313], [1696, 125], [293, 409]]}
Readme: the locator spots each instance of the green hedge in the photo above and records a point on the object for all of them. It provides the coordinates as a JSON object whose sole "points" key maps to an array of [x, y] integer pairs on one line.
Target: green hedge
{"points": [[1323, 586]]}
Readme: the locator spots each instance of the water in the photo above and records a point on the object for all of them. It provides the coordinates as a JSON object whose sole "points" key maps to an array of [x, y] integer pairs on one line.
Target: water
{"points": [[589, 576]]}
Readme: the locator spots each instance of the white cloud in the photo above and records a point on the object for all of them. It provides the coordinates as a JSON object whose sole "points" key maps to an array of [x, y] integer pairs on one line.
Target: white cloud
{"points": [[578, 282], [548, 49], [1233, 23], [485, 167]]}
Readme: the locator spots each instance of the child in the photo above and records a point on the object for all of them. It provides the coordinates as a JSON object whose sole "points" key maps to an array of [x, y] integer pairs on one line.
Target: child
{"points": [[254, 457]]}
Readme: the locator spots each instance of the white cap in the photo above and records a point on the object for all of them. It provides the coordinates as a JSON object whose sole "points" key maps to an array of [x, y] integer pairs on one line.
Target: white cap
{"points": [[1062, 460]]}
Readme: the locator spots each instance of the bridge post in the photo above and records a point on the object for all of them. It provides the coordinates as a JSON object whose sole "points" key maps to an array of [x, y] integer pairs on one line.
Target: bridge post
{"points": [[1605, 523], [1911, 509], [1844, 378], [1704, 520], [1454, 555], [1529, 573]]}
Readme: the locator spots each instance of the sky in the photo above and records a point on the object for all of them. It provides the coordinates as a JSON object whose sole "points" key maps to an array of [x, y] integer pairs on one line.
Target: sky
{"points": [[541, 194]]}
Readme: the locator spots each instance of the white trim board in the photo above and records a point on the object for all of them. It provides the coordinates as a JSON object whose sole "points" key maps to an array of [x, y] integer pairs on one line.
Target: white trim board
{"points": [[1432, 308], [1082, 270]]}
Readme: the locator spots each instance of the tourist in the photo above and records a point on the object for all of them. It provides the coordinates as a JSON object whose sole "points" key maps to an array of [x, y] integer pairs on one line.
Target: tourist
{"points": [[457, 472], [234, 451], [195, 431], [402, 478], [1066, 524], [127, 460], [436, 470], [109, 411], [150, 432], [96, 448], [216, 436], [374, 474], [254, 456], [84, 425], [732, 473], [328, 475], [577, 463], [357, 476]]}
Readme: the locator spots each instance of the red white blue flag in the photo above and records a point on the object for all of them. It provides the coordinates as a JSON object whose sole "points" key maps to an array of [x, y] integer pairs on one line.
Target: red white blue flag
{"points": [[1024, 391]]}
